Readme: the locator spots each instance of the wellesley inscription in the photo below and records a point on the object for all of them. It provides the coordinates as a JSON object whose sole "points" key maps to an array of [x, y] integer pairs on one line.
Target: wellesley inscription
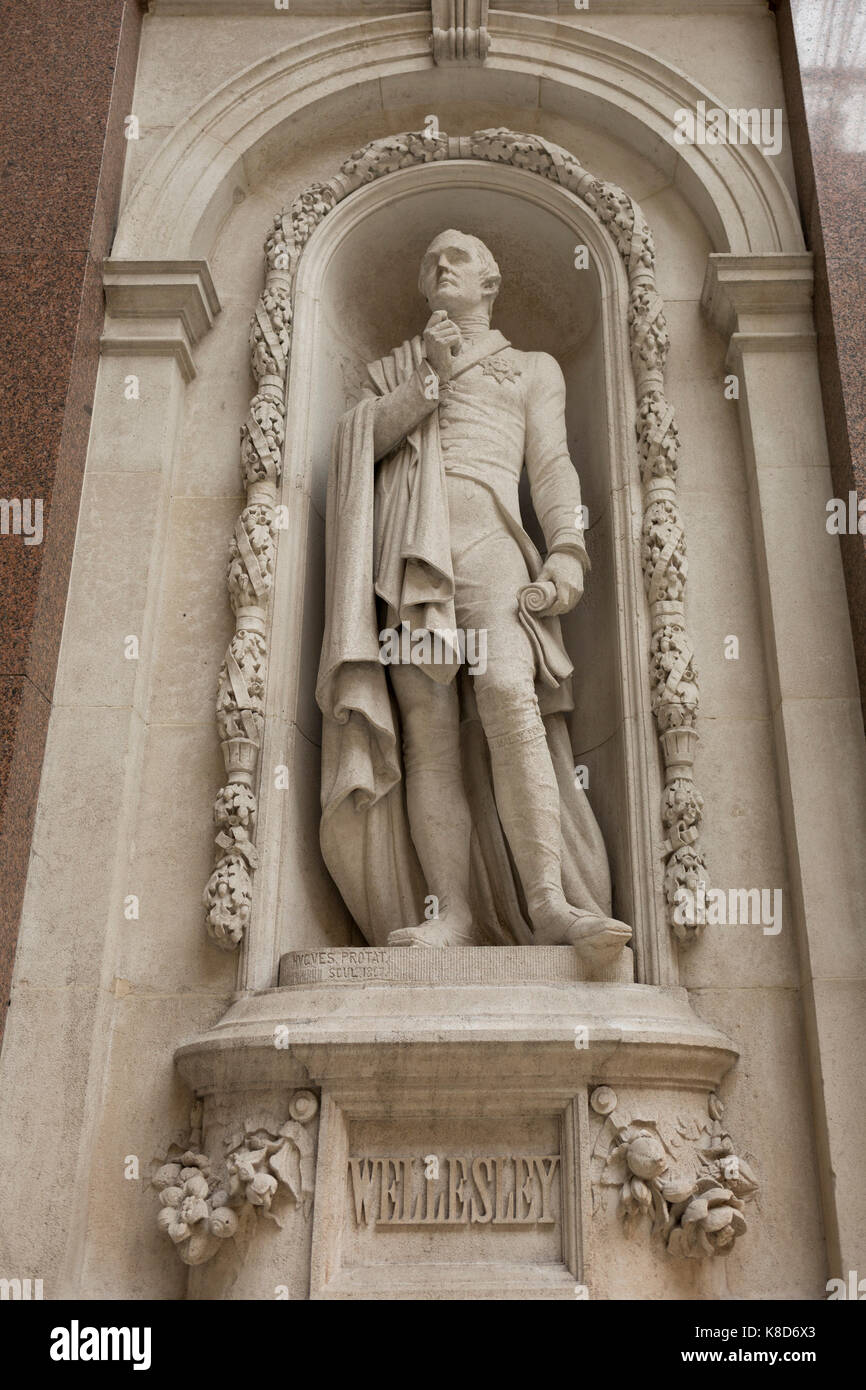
{"points": [[502, 1189]]}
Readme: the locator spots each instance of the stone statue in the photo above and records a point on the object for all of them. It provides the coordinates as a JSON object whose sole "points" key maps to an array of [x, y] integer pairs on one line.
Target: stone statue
{"points": [[451, 813]]}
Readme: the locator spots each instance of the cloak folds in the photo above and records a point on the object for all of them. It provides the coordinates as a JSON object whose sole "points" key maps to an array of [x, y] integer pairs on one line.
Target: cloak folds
{"points": [[387, 538]]}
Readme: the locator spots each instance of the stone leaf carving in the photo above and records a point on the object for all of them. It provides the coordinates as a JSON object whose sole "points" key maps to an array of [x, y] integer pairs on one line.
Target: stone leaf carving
{"points": [[649, 334], [271, 332], [263, 1167], [686, 1177], [658, 439], [228, 896], [393, 152], [262, 436], [673, 676], [265, 1172], [194, 1213], [240, 720], [229, 890], [241, 689], [251, 557]]}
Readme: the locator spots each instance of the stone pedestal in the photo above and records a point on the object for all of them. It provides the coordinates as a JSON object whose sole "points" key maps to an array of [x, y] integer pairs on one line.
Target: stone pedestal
{"points": [[468, 1104]]}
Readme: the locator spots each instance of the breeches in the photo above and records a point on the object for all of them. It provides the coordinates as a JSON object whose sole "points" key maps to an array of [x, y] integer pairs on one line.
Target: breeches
{"points": [[489, 569]]}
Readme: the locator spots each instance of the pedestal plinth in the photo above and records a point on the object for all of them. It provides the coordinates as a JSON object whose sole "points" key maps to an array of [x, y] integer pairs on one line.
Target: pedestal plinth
{"points": [[454, 1147]]}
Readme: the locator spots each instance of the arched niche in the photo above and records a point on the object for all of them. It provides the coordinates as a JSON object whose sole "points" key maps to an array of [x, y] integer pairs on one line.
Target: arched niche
{"points": [[185, 192], [355, 297]]}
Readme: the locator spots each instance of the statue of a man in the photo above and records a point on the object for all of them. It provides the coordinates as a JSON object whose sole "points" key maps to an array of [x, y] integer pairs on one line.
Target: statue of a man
{"points": [[451, 812]]}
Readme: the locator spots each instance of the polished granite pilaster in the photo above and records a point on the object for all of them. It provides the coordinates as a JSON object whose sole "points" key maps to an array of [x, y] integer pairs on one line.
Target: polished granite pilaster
{"points": [[823, 49], [68, 76]]}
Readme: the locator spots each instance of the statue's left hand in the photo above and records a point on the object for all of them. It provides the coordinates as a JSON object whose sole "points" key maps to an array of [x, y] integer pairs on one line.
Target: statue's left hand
{"points": [[566, 572]]}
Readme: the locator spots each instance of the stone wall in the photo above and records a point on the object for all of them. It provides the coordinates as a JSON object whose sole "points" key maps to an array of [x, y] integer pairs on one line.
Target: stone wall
{"points": [[241, 110]]}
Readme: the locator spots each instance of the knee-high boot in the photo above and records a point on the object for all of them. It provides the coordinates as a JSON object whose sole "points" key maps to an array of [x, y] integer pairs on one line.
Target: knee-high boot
{"points": [[527, 798]]}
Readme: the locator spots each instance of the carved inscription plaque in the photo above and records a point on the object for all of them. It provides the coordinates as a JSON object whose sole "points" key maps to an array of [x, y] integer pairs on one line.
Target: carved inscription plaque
{"points": [[454, 1190], [457, 1204]]}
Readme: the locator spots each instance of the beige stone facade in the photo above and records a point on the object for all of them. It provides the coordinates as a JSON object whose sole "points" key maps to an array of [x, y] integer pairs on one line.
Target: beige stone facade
{"points": [[590, 1129]]}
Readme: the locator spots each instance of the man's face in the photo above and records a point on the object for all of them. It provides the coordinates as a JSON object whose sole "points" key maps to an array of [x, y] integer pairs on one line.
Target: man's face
{"points": [[452, 275]]}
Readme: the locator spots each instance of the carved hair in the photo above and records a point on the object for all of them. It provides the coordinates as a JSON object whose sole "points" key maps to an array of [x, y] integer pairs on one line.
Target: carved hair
{"points": [[492, 276]]}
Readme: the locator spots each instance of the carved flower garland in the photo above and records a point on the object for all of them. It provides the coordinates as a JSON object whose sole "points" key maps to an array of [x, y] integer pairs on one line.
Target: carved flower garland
{"points": [[686, 1177], [266, 1170], [194, 1213], [673, 678]]}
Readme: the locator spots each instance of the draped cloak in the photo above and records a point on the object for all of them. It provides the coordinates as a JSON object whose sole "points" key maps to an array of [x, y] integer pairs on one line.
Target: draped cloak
{"points": [[387, 551]]}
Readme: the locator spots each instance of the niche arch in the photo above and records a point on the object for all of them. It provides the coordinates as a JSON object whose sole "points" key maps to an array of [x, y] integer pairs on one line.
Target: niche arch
{"points": [[185, 191], [410, 183]]}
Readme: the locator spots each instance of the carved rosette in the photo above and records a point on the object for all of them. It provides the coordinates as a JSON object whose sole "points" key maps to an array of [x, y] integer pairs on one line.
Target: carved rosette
{"points": [[673, 678]]}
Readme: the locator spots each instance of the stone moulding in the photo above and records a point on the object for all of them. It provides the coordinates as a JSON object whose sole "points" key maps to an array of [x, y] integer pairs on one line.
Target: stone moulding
{"points": [[460, 31], [178, 205], [158, 308], [241, 686]]}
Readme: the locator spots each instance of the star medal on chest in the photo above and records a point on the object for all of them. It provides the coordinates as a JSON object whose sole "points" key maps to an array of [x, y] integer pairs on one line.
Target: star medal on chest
{"points": [[502, 366]]}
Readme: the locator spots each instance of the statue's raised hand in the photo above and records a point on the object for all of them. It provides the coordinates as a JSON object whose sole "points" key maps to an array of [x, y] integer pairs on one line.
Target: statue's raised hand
{"points": [[442, 342], [565, 572]]}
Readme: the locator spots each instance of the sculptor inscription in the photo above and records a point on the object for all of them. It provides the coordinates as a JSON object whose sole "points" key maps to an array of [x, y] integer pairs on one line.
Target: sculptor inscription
{"points": [[498, 1189], [346, 964]]}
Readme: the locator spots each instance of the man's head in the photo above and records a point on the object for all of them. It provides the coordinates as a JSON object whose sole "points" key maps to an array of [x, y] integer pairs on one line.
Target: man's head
{"points": [[459, 274]]}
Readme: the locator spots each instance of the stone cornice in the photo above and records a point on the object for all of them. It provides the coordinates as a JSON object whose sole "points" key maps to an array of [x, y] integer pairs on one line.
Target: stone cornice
{"points": [[162, 289], [637, 1034], [158, 308], [760, 296], [328, 9]]}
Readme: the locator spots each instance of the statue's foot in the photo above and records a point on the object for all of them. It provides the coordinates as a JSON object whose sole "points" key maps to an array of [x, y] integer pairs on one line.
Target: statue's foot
{"points": [[598, 940], [442, 931]]}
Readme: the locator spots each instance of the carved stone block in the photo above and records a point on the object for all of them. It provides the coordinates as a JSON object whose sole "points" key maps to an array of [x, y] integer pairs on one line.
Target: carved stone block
{"points": [[460, 31]]}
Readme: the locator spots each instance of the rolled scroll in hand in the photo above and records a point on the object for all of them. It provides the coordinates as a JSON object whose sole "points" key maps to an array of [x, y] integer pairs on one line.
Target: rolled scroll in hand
{"points": [[551, 658], [537, 598]]}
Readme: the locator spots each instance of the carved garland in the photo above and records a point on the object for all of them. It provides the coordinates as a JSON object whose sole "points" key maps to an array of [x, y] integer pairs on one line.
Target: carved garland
{"points": [[673, 678], [268, 1169], [684, 1174]]}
